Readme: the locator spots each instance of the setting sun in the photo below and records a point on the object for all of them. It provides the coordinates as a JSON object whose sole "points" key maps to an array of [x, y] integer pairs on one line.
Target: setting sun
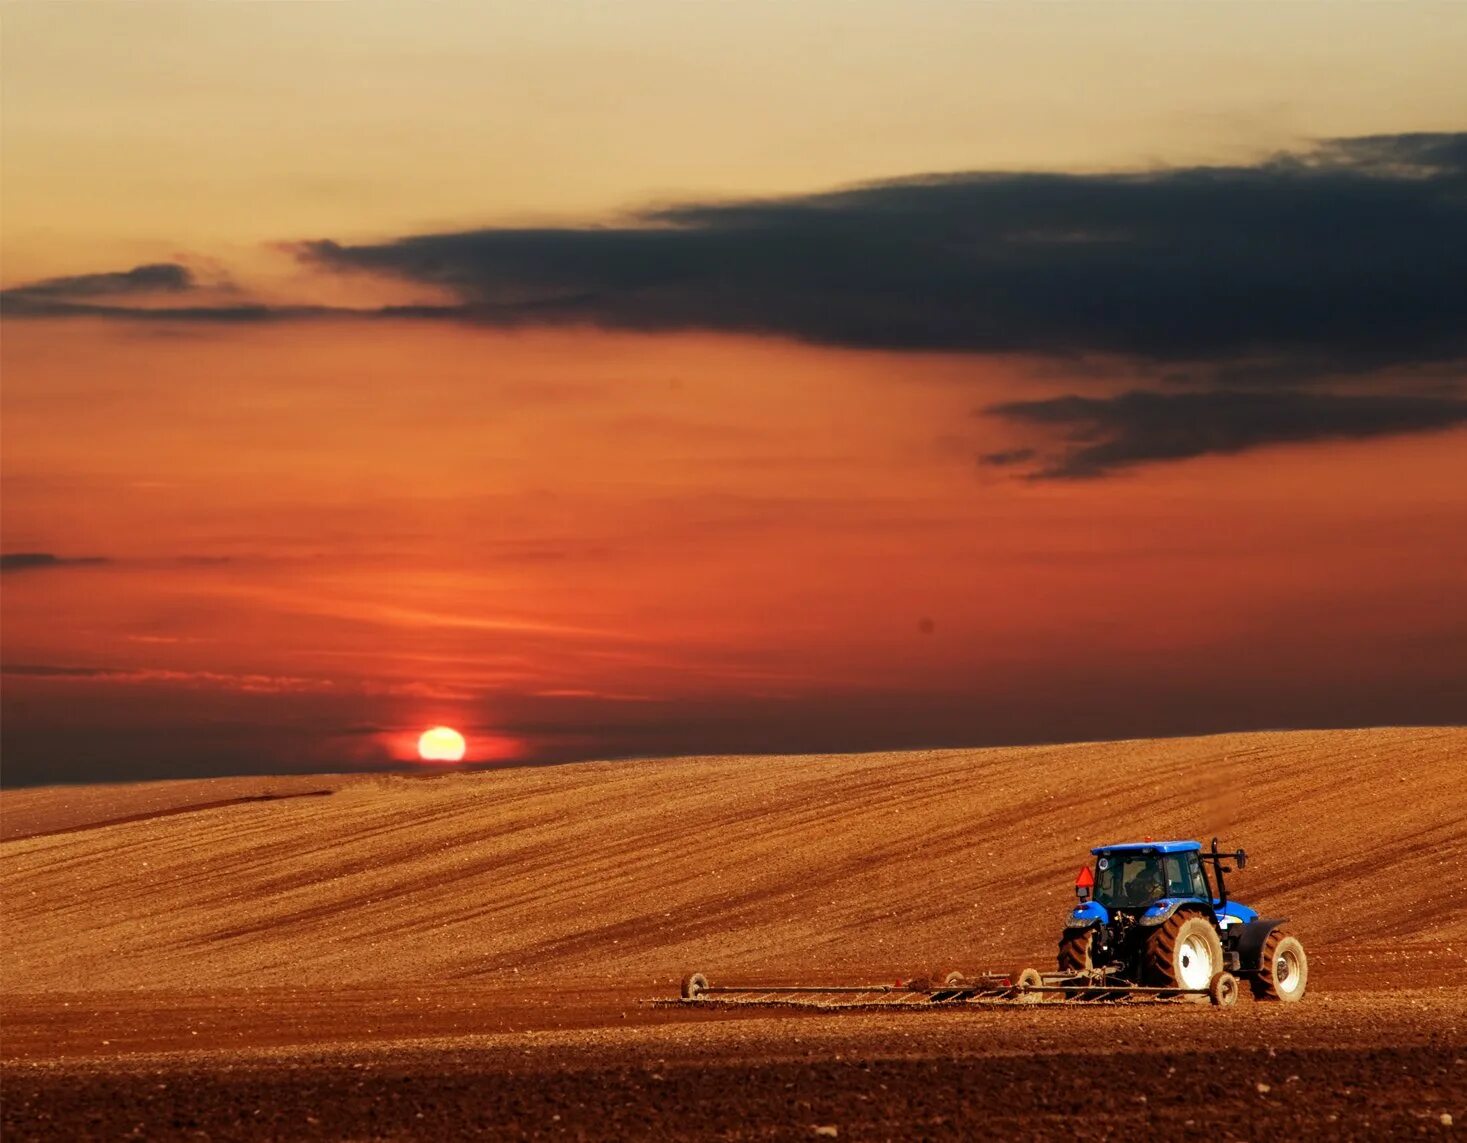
{"points": [[441, 744]]}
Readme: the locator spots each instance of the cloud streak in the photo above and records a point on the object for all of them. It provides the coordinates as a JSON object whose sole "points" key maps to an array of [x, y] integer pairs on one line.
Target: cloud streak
{"points": [[45, 561], [269, 684], [77, 293], [1103, 434], [155, 277]]}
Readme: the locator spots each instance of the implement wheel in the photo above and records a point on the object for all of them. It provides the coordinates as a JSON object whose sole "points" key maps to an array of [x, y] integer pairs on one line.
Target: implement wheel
{"points": [[1025, 980], [1283, 969], [1184, 952], [694, 985], [1074, 950], [1223, 991]]}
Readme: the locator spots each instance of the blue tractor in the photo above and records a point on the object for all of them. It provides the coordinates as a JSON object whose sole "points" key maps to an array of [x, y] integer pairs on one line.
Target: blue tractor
{"points": [[1153, 914]]}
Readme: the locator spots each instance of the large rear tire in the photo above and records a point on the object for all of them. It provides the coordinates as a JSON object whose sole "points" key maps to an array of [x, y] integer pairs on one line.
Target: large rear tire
{"points": [[1184, 952], [1074, 950], [1283, 969]]}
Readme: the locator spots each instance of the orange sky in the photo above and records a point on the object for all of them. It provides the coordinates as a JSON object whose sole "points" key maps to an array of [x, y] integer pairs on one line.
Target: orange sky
{"points": [[314, 539], [603, 543]]}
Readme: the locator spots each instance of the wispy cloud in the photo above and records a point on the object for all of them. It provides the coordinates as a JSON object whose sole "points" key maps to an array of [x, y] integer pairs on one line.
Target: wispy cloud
{"points": [[272, 684], [241, 683], [386, 614], [1102, 434]]}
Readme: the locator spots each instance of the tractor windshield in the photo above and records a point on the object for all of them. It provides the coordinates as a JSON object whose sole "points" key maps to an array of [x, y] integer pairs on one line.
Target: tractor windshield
{"points": [[1133, 880]]}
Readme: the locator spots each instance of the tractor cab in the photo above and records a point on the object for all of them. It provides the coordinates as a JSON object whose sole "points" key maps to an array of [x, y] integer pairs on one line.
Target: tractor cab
{"points": [[1139, 875]]}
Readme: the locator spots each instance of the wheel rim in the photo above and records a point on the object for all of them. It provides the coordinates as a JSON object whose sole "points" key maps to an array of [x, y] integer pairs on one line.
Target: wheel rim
{"points": [[1194, 963], [1286, 974]]}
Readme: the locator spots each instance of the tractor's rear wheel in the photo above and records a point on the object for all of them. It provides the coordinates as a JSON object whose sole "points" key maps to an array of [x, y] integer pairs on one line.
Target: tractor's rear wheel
{"points": [[1184, 952], [1074, 950], [1283, 969]]}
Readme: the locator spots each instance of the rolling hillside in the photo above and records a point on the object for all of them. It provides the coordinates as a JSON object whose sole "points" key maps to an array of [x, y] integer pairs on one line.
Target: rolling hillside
{"points": [[635, 871]]}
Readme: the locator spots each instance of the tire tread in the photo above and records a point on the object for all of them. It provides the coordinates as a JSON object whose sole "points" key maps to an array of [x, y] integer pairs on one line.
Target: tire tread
{"points": [[1074, 950], [1262, 981], [1161, 948]]}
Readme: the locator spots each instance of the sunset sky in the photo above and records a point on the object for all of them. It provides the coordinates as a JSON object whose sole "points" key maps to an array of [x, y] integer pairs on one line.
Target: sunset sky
{"points": [[670, 378]]}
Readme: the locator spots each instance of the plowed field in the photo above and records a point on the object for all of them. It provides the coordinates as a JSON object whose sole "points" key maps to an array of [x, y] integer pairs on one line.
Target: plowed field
{"points": [[400, 956]]}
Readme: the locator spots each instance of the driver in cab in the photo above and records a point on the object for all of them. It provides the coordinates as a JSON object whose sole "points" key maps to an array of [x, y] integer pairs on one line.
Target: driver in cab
{"points": [[1146, 886]]}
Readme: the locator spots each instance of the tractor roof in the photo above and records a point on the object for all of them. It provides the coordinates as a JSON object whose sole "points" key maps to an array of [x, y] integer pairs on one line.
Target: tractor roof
{"points": [[1149, 847]]}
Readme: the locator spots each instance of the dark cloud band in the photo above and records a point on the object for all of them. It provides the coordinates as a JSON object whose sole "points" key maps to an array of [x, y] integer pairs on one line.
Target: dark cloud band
{"points": [[1235, 285], [1354, 251], [1343, 258]]}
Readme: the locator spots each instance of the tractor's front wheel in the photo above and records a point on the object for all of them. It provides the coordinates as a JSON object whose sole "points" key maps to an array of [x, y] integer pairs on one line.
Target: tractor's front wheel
{"points": [[1184, 952], [1074, 950], [1283, 969]]}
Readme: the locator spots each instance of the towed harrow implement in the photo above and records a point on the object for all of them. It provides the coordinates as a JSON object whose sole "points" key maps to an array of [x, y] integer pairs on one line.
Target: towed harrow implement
{"points": [[1027, 986]]}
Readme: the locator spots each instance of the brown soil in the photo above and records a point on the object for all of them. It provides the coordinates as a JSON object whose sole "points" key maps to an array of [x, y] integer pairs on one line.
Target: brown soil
{"points": [[426, 959], [42, 810], [1365, 1066]]}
